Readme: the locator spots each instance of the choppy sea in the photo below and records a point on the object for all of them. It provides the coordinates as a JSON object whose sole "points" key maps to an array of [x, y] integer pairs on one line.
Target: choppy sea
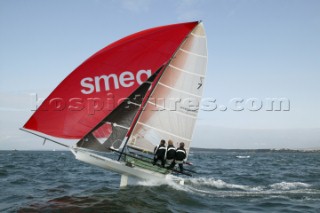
{"points": [[226, 181]]}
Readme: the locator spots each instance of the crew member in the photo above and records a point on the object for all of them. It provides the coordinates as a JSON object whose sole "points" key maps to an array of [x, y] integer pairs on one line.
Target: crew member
{"points": [[181, 155], [160, 153], [171, 154]]}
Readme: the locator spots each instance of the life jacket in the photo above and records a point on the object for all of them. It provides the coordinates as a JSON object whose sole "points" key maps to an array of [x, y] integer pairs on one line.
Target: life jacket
{"points": [[171, 152], [180, 154]]}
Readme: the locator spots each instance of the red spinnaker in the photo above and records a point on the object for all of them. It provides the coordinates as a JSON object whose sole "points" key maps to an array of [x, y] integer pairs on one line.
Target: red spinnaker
{"points": [[98, 85]]}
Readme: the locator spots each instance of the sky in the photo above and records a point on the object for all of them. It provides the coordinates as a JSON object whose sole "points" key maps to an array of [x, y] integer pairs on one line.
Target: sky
{"points": [[258, 51]]}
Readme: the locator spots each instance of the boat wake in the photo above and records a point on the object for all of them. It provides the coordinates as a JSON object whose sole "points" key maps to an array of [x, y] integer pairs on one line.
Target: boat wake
{"points": [[289, 186], [220, 188], [140, 182], [243, 156]]}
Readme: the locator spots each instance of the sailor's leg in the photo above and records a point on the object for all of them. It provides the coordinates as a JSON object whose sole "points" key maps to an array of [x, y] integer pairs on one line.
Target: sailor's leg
{"points": [[172, 165], [155, 159], [181, 167], [163, 162]]}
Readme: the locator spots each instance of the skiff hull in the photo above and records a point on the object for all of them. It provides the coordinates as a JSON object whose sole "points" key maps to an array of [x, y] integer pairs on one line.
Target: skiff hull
{"points": [[128, 173]]}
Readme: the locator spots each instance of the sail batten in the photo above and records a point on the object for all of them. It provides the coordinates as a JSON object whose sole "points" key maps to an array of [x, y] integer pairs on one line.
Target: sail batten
{"points": [[195, 54], [200, 36], [163, 131], [180, 91], [124, 127], [183, 113], [186, 71], [139, 105]]}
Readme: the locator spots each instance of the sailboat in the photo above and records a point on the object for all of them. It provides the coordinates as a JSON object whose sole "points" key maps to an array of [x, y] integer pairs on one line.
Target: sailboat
{"points": [[119, 103]]}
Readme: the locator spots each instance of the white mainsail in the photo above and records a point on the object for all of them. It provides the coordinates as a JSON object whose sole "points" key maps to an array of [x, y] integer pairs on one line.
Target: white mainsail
{"points": [[172, 109]]}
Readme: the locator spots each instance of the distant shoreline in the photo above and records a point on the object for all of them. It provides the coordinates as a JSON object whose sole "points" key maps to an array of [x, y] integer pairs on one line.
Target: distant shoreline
{"points": [[192, 149], [262, 149]]}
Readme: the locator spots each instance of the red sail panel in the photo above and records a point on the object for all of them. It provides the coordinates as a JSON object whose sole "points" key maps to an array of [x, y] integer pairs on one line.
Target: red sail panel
{"points": [[98, 85]]}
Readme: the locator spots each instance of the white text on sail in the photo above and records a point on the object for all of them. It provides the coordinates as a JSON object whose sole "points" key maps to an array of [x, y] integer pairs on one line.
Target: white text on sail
{"points": [[103, 82]]}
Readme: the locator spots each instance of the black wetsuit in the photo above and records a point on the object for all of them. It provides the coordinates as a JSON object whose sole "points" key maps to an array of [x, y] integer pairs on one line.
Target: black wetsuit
{"points": [[171, 155], [180, 156], [171, 152], [160, 153]]}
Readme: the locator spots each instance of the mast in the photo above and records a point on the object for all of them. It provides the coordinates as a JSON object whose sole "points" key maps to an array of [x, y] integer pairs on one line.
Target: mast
{"points": [[150, 94], [161, 70]]}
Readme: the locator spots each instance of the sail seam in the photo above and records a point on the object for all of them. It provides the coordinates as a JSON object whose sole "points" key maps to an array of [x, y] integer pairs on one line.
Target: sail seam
{"points": [[191, 116], [181, 91], [191, 53], [182, 70], [160, 130]]}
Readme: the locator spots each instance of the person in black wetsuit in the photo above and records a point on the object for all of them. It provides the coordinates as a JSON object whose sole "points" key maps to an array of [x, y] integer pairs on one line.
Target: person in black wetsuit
{"points": [[180, 156], [171, 154], [160, 153]]}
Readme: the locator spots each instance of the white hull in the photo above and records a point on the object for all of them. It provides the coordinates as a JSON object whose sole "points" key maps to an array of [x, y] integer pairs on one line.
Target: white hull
{"points": [[126, 172]]}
